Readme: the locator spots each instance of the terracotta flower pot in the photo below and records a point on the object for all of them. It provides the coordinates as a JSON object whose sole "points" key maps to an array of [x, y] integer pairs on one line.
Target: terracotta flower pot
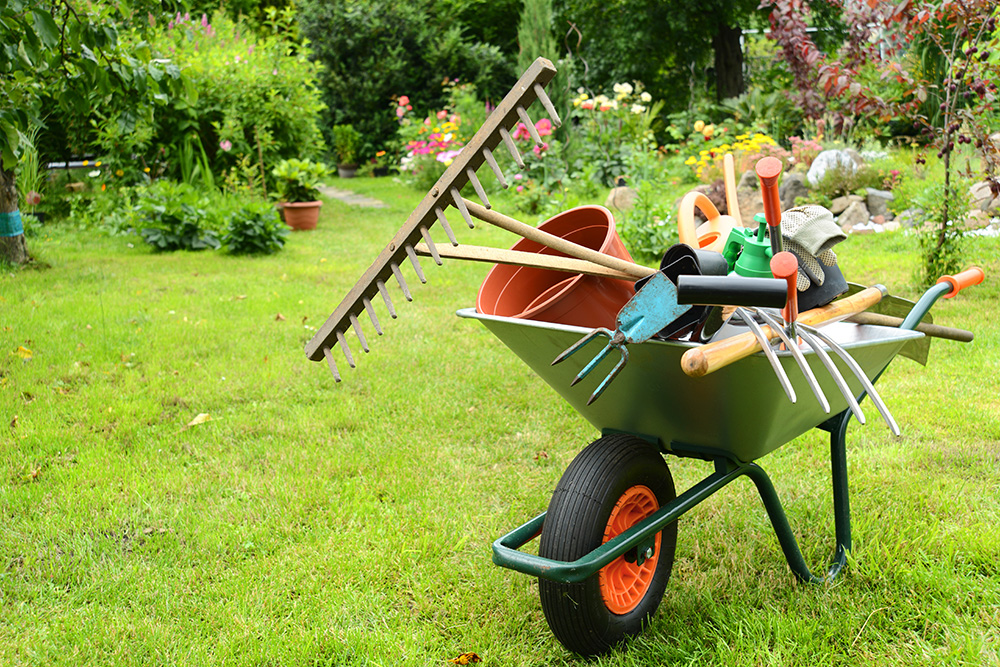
{"points": [[301, 215], [557, 296]]}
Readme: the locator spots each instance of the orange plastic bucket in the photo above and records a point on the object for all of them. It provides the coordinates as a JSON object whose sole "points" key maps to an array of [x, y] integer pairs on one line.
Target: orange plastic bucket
{"points": [[556, 296]]}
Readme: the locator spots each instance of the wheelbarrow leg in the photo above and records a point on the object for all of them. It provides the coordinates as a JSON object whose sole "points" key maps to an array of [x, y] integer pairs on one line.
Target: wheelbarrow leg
{"points": [[841, 506]]}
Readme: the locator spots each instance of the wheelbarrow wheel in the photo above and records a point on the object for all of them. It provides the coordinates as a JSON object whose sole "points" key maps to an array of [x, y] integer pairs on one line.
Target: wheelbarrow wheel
{"points": [[611, 485]]}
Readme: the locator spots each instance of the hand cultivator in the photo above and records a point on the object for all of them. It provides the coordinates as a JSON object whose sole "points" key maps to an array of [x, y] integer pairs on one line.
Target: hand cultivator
{"points": [[608, 536]]}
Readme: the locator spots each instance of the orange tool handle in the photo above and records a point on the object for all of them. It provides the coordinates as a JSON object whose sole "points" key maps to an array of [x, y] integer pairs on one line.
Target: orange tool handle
{"points": [[785, 266], [958, 282], [768, 170], [708, 358]]}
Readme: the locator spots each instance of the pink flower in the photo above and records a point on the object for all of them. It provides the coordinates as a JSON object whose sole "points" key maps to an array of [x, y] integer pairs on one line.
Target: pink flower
{"points": [[226, 145], [204, 20], [520, 188], [32, 198], [427, 122], [521, 132], [544, 127], [587, 104], [518, 177], [441, 115], [540, 149], [403, 100], [409, 107], [400, 112], [454, 118]]}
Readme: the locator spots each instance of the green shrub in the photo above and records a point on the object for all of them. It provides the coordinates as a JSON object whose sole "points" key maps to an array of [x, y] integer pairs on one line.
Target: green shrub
{"points": [[649, 227], [169, 228], [298, 180], [255, 229], [842, 180]]}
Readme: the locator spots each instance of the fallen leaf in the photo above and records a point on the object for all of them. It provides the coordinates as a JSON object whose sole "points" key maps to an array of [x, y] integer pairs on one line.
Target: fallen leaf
{"points": [[465, 659], [23, 352], [13, 422], [239, 297], [305, 318], [200, 419], [279, 318]]}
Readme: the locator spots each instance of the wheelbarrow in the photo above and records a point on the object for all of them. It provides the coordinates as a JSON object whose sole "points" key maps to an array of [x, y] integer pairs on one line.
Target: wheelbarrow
{"points": [[608, 537]]}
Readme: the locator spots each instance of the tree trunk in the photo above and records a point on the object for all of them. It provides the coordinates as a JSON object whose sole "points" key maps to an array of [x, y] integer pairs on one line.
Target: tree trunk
{"points": [[728, 62], [12, 247]]}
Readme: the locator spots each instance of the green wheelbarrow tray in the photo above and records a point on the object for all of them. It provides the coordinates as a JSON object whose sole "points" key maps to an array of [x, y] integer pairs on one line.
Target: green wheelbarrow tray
{"points": [[731, 417]]}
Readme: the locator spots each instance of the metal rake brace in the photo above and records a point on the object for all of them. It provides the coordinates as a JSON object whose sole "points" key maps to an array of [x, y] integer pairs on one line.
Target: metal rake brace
{"points": [[431, 209]]}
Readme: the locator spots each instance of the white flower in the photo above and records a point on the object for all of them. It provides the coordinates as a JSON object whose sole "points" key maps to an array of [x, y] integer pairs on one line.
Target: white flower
{"points": [[638, 108], [94, 174], [646, 97], [622, 88]]}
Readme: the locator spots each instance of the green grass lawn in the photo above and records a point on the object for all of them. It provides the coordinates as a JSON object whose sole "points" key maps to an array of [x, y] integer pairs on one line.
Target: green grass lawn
{"points": [[313, 523]]}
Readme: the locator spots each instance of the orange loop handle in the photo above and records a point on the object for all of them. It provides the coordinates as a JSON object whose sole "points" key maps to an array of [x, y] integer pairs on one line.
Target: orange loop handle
{"points": [[768, 170], [685, 216], [958, 282]]}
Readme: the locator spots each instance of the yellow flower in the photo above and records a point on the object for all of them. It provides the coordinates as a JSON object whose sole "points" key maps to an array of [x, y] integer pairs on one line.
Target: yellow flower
{"points": [[119, 172], [699, 125], [691, 160], [146, 170], [86, 162], [97, 164], [708, 130]]}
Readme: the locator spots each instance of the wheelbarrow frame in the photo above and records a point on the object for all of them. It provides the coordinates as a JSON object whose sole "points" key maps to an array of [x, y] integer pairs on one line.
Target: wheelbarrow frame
{"points": [[507, 553]]}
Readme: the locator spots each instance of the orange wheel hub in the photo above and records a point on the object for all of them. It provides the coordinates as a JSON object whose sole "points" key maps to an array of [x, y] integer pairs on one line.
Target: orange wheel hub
{"points": [[623, 584]]}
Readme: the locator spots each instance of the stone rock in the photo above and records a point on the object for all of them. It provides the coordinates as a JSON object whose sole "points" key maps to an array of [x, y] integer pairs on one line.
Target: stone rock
{"points": [[839, 205], [910, 218], [76, 187], [878, 219], [621, 198], [750, 204], [878, 202], [792, 186], [976, 219], [855, 214], [983, 199], [748, 181], [891, 226], [831, 159]]}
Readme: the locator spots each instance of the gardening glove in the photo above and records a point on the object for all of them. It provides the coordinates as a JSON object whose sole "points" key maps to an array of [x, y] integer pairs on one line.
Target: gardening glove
{"points": [[810, 232]]}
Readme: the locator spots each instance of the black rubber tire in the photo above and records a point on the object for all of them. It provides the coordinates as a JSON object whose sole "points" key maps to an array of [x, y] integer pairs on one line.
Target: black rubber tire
{"points": [[574, 526]]}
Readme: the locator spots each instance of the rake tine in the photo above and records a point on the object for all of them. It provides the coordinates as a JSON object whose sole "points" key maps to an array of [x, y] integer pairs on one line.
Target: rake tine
{"points": [[610, 376], [532, 130], [402, 283], [385, 297], [799, 358], [492, 161], [444, 224], [592, 364], [565, 354], [547, 103], [371, 314], [333, 364], [430, 244], [509, 143], [860, 374], [772, 358], [834, 373], [478, 187], [462, 208], [360, 334], [416, 265], [345, 349]]}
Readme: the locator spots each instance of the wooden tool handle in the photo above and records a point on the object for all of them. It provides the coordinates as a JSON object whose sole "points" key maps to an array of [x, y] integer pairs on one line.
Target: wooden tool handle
{"points": [[634, 270], [932, 330], [699, 361], [475, 253]]}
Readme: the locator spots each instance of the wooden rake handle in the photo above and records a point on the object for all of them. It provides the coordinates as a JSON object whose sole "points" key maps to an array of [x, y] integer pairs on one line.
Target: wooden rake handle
{"points": [[699, 361], [474, 253]]}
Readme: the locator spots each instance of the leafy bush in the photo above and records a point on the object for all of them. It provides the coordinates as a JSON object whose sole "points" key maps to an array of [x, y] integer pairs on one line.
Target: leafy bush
{"points": [[346, 144], [177, 228], [255, 229], [298, 180], [252, 96], [648, 228], [843, 180]]}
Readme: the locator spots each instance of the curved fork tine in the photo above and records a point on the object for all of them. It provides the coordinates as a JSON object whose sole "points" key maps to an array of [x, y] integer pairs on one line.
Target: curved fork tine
{"points": [[834, 373], [772, 358], [610, 376], [800, 359], [600, 331], [860, 374], [592, 364]]}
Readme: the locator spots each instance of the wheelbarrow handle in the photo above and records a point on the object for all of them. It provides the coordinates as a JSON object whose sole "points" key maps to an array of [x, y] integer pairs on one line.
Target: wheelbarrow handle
{"points": [[960, 281], [699, 361]]}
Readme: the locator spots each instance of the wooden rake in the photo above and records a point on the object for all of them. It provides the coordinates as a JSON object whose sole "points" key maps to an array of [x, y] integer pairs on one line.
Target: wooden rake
{"points": [[446, 192]]}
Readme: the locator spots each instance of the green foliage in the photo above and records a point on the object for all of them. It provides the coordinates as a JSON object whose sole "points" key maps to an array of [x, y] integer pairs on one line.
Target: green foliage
{"points": [[30, 174], [843, 180], [941, 239], [375, 51], [194, 162], [298, 180], [255, 229], [346, 144], [772, 112], [169, 228], [648, 228], [252, 96]]}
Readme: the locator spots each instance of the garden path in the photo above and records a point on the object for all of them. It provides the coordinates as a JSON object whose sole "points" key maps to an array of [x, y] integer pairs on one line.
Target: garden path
{"points": [[351, 198]]}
